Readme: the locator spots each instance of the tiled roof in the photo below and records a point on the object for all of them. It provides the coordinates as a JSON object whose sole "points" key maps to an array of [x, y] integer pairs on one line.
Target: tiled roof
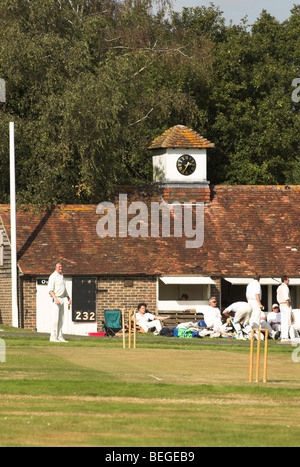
{"points": [[180, 136], [246, 229]]}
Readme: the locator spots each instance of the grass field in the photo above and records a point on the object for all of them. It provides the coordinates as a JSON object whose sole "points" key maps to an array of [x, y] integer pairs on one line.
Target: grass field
{"points": [[166, 393]]}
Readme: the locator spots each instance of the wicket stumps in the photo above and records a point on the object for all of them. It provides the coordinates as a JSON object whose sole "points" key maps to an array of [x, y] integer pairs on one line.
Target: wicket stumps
{"points": [[259, 331], [129, 328]]}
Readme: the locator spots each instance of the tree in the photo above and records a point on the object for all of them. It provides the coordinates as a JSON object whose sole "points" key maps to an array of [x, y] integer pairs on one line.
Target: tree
{"points": [[253, 117], [90, 86], [90, 83]]}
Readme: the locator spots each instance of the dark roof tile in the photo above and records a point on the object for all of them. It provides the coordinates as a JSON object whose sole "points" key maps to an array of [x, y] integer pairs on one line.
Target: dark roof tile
{"points": [[246, 229]]}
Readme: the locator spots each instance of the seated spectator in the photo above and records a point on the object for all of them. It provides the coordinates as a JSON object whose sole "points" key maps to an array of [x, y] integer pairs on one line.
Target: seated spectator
{"points": [[148, 321], [212, 314], [274, 318], [184, 297], [264, 325]]}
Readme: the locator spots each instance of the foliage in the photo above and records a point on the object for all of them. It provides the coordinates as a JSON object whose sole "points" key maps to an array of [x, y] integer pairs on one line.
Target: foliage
{"points": [[256, 122], [90, 83]]}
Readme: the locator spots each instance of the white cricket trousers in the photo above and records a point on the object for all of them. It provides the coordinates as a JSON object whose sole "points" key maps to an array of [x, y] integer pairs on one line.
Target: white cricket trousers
{"points": [[256, 313], [294, 332], [214, 323], [57, 319], [244, 312], [286, 318], [151, 324]]}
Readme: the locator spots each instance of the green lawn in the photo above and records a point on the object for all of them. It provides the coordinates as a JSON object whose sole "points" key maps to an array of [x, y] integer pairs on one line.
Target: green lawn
{"points": [[166, 393]]}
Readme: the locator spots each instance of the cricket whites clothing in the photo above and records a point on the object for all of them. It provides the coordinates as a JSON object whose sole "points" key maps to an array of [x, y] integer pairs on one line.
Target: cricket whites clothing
{"points": [[296, 314], [148, 321], [242, 310], [254, 289], [274, 320], [283, 298], [57, 319], [212, 316], [283, 294], [295, 328], [57, 285]]}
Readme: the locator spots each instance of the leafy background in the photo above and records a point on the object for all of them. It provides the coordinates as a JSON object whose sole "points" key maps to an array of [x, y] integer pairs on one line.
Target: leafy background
{"points": [[90, 83]]}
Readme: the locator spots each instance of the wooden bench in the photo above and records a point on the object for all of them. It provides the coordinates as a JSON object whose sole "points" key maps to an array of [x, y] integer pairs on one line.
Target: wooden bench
{"points": [[177, 317]]}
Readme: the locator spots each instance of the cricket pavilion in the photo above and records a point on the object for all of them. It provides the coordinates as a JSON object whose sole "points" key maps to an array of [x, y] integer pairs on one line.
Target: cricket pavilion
{"points": [[178, 234]]}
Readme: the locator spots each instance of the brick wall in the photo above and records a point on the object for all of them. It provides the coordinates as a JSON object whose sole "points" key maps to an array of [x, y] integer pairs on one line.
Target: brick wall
{"points": [[29, 301], [5, 281], [125, 293], [5, 300], [186, 195]]}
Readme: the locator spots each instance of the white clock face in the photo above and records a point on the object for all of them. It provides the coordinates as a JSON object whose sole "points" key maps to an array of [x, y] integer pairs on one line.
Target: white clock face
{"points": [[186, 165]]}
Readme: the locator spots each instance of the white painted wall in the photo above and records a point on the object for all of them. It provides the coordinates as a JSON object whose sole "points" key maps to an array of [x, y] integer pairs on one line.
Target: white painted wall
{"points": [[165, 170], [43, 301]]}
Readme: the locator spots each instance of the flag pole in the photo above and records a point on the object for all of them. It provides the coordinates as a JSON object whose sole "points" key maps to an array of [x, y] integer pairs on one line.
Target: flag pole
{"points": [[13, 227]]}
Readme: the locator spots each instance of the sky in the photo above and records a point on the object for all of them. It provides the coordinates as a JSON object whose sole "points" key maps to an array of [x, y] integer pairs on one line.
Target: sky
{"points": [[235, 10]]}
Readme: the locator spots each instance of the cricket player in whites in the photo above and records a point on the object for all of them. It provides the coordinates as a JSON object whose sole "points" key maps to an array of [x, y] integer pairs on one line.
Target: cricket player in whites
{"points": [[284, 300], [253, 295], [242, 314], [58, 292]]}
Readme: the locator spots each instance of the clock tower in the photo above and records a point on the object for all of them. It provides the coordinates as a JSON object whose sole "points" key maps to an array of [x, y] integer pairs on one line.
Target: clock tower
{"points": [[180, 158]]}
